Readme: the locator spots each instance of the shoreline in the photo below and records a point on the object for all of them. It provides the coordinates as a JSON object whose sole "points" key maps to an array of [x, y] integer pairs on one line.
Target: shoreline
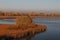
{"points": [[24, 27], [14, 17], [20, 33]]}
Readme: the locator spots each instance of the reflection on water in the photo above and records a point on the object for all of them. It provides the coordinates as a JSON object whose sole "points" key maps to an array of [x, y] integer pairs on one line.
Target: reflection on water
{"points": [[11, 21], [53, 29], [31, 36], [52, 32], [28, 37]]}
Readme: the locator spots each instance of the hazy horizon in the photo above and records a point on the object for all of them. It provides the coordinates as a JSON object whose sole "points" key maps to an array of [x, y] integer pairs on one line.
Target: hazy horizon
{"points": [[30, 5]]}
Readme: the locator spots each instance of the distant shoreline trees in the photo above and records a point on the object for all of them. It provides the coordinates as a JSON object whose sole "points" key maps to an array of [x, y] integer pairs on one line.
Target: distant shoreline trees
{"points": [[2, 13]]}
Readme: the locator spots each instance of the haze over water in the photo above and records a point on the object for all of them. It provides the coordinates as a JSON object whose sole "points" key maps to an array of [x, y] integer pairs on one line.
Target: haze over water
{"points": [[53, 24]]}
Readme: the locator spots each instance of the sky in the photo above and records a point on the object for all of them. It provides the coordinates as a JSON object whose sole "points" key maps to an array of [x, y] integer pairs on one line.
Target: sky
{"points": [[30, 4]]}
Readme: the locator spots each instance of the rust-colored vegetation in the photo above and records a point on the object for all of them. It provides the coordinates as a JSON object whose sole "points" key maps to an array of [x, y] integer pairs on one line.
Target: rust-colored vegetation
{"points": [[24, 25], [12, 14]]}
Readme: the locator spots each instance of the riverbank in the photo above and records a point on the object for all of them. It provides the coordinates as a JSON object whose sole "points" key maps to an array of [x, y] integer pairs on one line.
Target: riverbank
{"points": [[4, 30], [14, 17], [24, 27]]}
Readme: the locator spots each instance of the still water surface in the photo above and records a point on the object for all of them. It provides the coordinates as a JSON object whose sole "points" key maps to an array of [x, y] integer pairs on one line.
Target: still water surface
{"points": [[52, 32], [7, 21], [53, 29]]}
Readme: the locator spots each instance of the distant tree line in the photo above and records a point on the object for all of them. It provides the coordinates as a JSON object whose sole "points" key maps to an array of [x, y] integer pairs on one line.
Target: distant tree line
{"points": [[30, 14]]}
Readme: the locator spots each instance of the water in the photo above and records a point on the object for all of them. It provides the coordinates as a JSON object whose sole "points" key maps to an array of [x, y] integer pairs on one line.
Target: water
{"points": [[52, 32], [53, 29], [7, 21]]}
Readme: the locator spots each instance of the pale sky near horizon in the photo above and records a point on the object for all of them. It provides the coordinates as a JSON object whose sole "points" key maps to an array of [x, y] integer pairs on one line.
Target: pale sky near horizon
{"points": [[30, 4]]}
